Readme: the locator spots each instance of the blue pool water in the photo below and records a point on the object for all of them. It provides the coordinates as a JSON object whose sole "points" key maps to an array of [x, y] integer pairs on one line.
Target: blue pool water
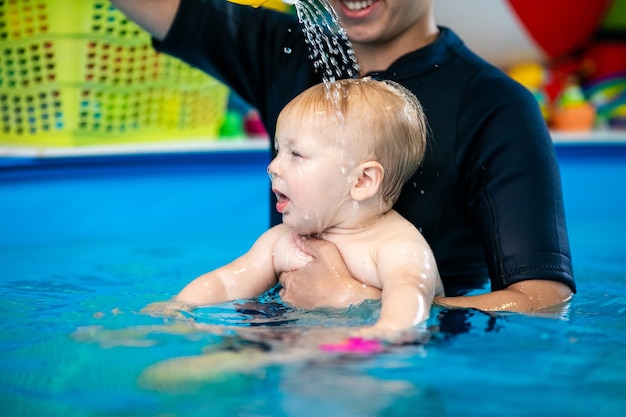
{"points": [[86, 242]]}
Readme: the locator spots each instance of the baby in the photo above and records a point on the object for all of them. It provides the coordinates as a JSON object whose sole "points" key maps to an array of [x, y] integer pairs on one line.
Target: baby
{"points": [[344, 151]]}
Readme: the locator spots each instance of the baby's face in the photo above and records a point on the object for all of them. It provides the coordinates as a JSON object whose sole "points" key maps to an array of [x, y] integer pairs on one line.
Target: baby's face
{"points": [[312, 174]]}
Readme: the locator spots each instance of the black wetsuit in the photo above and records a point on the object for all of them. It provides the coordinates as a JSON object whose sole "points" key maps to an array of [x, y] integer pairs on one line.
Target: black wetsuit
{"points": [[488, 196]]}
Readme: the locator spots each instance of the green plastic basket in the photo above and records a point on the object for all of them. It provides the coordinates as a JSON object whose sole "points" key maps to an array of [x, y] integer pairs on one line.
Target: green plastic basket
{"points": [[79, 73]]}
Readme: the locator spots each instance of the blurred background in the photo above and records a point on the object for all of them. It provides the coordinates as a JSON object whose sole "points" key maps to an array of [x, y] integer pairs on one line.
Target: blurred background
{"points": [[84, 75], [570, 53]]}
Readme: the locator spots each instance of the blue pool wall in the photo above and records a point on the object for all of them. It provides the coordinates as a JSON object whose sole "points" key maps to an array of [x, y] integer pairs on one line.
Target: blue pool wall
{"points": [[73, 199], [51, 200], [594, 191]]}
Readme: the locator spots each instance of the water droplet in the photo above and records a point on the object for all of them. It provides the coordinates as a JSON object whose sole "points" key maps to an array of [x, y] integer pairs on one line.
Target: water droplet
{"points": [[287, 50], [325, 36]]}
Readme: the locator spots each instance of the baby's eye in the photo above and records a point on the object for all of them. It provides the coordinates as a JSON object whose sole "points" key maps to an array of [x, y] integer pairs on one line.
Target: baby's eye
{"points": [[295, 154]]}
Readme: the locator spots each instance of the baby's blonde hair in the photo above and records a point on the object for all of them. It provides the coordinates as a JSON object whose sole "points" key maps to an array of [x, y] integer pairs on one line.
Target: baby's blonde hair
{"points": [[384, 112]]}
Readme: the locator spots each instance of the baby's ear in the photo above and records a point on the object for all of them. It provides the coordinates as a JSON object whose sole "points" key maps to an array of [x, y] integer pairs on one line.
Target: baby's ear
{"points": [[370, 176]]}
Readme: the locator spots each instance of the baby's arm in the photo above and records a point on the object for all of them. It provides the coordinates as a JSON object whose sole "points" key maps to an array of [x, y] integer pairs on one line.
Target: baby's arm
{"points": [[410, 280], [246, 277]]}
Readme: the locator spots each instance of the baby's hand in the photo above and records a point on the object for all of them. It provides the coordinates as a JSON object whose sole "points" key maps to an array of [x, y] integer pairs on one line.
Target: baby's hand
{"points": [[171, 309], [392, 336], [374, 333]]}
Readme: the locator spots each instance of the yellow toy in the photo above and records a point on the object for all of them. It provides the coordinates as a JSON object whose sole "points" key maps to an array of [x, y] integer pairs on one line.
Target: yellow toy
{"points": [[532, 75], [279, 5]]}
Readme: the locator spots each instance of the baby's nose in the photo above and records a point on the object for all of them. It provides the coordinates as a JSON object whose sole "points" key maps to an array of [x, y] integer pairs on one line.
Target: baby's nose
{"points": [[272, 170]]}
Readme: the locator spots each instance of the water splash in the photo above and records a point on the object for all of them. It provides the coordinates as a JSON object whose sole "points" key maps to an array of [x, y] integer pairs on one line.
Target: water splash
{"points": [[330, 49]]}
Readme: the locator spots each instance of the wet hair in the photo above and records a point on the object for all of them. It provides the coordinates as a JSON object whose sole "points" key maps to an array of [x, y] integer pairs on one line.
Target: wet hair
{"points": [[380, 119]]}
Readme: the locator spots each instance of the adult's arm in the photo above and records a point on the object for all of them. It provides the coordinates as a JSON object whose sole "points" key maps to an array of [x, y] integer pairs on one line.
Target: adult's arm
{"points": [[155, 16], [524, 296], [326, 282]]}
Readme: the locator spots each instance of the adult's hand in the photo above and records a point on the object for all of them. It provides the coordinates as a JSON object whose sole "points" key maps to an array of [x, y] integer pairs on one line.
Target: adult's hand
{"points": [[325, 281]]}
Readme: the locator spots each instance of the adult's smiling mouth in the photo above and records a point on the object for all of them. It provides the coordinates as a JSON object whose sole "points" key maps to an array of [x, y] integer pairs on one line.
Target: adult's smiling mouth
{"points": [[358, 5], [356, 9]]}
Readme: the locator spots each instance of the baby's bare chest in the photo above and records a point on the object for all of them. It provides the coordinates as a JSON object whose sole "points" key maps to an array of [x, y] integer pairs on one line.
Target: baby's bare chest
{"points": [[357, 257]]}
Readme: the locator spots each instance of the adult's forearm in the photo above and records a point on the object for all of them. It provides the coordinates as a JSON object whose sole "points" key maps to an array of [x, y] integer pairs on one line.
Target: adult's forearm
{"points": [[525, 296], [155, 16]]}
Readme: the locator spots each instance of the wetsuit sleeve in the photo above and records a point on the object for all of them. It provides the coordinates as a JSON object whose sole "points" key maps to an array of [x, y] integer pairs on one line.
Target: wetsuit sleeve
{"points": [[513, 184]]}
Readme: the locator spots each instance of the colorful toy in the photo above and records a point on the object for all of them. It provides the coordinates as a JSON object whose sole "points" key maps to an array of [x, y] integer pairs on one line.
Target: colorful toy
{"points": [[232, 127], [354, 345], [253, 125], [279, 5], [533, 75], [609, 98], [572, 111], [604, 60]]}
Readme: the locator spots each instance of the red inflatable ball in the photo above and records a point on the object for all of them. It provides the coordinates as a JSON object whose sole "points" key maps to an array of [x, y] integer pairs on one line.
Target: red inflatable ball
{"points": [[509, 31]]}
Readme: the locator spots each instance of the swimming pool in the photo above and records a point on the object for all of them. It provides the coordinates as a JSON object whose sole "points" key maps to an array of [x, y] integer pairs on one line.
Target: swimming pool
{"points": [[86, 242]]}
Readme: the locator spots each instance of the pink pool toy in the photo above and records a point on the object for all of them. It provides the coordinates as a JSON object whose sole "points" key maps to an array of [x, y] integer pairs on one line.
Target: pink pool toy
{"points": [[354, 345]]}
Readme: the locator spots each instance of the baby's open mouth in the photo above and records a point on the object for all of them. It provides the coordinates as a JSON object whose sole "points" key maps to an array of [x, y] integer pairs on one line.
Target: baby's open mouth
{"points": [[281, 201], [279, 195]]}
